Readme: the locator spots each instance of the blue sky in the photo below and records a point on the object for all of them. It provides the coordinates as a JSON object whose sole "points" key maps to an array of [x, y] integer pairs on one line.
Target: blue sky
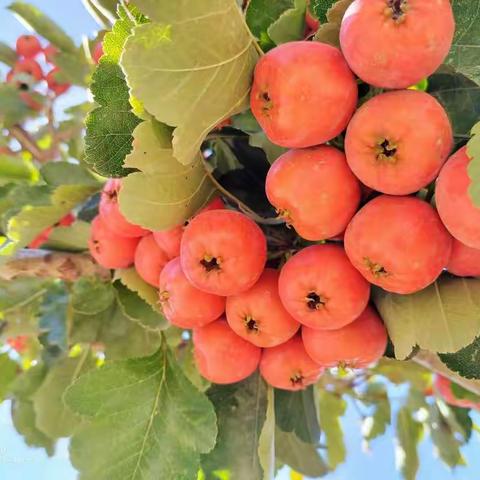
{"points": [[18, 462]]}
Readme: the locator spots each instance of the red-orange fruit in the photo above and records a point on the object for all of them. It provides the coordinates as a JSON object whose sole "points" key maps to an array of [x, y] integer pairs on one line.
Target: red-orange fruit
{"points": [[289, 367], [443, 386], [111, 215], [396, 43], [303, 94], [397, 142], [357, 345], [25, 70], [320, 288], [150, 260], [454, 205], [54, 84], [50, 51], [464, 260], [184, 305], [223, 252], [258, 315], [28, 46], [314, 190], [97, 52], [221, 355], [398, 243], [109, 249]]}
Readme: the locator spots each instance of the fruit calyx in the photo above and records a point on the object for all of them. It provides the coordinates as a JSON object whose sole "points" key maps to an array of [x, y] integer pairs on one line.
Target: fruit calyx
{"points": [[386, 151], [267, 103], [297, 379], [251, 324], [210, 263], [397, 10], [315, 301], [164, 296], [284, 214], [376, 269]]}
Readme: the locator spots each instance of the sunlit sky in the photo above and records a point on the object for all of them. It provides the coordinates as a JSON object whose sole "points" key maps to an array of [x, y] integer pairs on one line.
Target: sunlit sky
{"points": [[18, 462]]}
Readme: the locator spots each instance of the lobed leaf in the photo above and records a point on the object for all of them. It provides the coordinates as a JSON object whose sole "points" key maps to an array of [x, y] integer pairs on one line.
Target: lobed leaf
{"points": [[8, 373], [290, 26], [466, 361], [17, 170], [12, 108], [408, 435], [73, 238], [8, 56], [320, 8], [329, 31]]}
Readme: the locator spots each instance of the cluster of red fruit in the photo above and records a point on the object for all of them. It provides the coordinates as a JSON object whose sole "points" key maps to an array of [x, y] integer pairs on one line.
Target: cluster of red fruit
{"points": [[27, 72]]}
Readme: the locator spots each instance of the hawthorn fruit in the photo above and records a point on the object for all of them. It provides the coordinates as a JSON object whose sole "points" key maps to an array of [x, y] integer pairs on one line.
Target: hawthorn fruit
{"points": [[184, 305], [314, 191], [18, 343], [221, 355], [404, 154], [54, 84], [28, 67], [109, 249], [28, 46], [443, 387], [320, 288], [258, 314], [149, 260], [49, 52], [464, 260], [111, 215], [454, 205], [303, 94], [398, 243], [356, 345], [98, 52], [223, 252], [396, 43], [288, 366]]}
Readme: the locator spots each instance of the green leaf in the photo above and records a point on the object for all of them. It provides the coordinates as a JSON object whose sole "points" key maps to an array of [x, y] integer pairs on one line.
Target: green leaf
{"points": [[17, 169], [12, 108], [8, 56], [464, 394], [320, 8], [8, 373], [73, 238], [271, 150], [405, 371], [241, 411], [443, 317], [184, 356], [459, 420], [165, 193], [463, 55], [20, 292], [109, 127], [137, 310], [201, 56], [74, 68], [297, 412], [66, 173], [408, 435], [329, 31], [300, 456], [43, 25], [159, 421], [331, 408], [52, 416], [261, 14], [473, 150], [91, 296], [466, 361], [375, 425], [290, 26], [266, 442]]}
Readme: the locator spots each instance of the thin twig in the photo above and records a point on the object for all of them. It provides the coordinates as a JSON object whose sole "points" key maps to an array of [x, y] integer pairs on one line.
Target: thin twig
{"points": [[29, 144]]}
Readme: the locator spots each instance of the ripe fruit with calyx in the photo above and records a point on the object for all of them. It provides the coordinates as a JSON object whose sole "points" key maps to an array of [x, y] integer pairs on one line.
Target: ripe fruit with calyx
{"points": [[464, 260], [109, 249], [258, 315], [320, 288], [356, 345], [405, 153], [398, 243], [314, 191], [223, 252], [28, 46], [454, 205], [396, 43], [221, 355], [54, 84], [150, 260], [288, 366], [24, 71], [303, 94], [184, 305]]}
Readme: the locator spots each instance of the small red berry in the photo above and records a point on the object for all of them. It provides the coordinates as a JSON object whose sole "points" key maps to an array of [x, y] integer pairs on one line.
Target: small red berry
{"points": [[464, 260], [19, 343], [24, 71], [50, 52], [150, 260], [54, 84], [97, 52], [28, 46]]}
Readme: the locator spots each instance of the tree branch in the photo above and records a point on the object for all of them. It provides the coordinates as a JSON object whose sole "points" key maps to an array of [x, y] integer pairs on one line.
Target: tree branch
{"points": [[432, 362], [46, 264], [29, 144]]}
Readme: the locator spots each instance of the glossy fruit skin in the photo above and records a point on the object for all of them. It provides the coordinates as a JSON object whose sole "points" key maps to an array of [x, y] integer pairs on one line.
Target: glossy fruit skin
{"points": [[109, 249], [296, 81], [464, 260], [28, 67], [170, 240], [184, 305], [53, 84], [258, 314], [223, 252], [110, 212], [444, 387], [456, 209], [357, 345], [150, 260], [320, 288], [405, 153], [221, 355], [289, 367], [398, 243], [49, 52], [28, 46], [396, 53], [98, 52], [314, 190]]}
